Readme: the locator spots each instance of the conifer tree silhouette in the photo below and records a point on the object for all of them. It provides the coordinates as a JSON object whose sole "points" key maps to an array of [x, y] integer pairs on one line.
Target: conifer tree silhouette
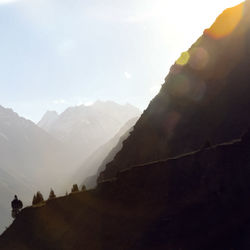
{"points": [[37, 198], [75, 188], [52, 194], [34, 201]]}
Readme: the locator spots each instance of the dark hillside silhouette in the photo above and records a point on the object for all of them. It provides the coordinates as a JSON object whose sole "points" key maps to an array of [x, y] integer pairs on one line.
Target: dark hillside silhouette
{"points": [[205, 97], [196, 201], [197, 196]]}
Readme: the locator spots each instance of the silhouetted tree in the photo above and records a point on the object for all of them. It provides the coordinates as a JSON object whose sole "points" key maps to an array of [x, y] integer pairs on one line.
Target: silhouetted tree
{"points": [[75, 188], [83, 188], [37, 198], [34, 201], [52, 194]]}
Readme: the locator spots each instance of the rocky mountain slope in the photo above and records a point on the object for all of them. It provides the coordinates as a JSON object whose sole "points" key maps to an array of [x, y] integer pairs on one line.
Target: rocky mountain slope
{"points": [[205, 96], [196, 201]]}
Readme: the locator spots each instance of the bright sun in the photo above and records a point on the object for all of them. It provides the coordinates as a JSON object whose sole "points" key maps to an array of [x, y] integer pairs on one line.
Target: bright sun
{"points": [[182, 22], [192, 13]]}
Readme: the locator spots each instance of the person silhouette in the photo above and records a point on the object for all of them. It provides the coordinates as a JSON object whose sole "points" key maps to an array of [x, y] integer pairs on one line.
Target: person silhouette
{"points": [[16, 205]]}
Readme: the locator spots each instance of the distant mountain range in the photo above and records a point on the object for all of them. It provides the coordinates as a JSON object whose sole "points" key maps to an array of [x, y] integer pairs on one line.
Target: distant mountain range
{"points": [[181, 180], [34, 158], [48, 120], [30, 159], [85, 128]]}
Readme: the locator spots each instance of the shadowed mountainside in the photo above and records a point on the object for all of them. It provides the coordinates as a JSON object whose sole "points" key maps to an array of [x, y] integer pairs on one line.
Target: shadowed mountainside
{"points": [[196, 201], [205, 97]]}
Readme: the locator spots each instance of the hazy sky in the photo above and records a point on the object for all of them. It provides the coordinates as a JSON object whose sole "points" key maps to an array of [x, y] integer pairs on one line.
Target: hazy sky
{"points": [[60, 53]]}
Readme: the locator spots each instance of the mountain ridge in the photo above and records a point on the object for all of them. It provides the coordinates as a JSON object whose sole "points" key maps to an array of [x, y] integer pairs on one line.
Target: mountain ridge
{"points": [[85, 128], [205, 97]]}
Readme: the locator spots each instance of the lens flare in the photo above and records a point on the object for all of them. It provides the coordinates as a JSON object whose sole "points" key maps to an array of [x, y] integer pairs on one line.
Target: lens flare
{"points": [[183, 59], [226, 22], [198, 59]]}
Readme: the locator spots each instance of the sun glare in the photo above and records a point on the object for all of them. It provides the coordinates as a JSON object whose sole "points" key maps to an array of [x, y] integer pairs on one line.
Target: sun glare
{"points": [[181, 23], [226, 22], [190, 18]]}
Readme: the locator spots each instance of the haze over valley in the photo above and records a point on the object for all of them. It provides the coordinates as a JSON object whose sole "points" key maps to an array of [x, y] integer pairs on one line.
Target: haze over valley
{"points": [[39, 157], [111, 156]]}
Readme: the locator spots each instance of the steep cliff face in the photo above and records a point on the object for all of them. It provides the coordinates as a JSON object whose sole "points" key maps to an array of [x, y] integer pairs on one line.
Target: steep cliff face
{"points": [[196, 201], [205, 97]]}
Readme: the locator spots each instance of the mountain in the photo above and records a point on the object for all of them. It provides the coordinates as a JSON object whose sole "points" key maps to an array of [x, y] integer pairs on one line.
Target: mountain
{"points": [[33, 159], [195, 201], [97, 161], [48, 119], [85, 128], [205, 97], [30, 160], [195, 197]]}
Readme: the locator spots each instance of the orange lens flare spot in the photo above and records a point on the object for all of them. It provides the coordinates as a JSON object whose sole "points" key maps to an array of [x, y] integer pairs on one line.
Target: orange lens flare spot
{"points": [[183, 59], [226, 22]]}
